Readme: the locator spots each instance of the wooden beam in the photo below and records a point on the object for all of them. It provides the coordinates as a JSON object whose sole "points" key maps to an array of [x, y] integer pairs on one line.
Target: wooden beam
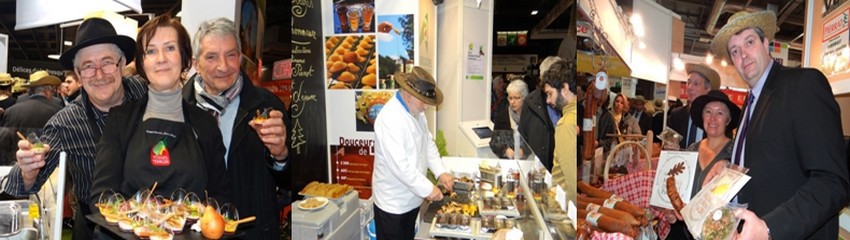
{"points": [[557, 10], [787, 10]]}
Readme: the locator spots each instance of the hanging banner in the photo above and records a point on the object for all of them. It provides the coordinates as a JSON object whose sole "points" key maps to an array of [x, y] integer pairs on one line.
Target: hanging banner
{"points": [[835, 57], [309, 143]]}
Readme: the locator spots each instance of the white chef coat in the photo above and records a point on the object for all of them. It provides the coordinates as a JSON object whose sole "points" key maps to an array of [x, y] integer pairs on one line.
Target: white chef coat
{"points": [[403, 150]]}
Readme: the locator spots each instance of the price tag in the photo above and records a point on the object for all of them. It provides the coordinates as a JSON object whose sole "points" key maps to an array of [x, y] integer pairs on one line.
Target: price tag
{"points": [[33, 211]]}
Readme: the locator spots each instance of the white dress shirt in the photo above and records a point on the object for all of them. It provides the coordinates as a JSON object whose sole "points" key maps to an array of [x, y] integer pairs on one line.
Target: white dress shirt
{"points": [[403, 152]]}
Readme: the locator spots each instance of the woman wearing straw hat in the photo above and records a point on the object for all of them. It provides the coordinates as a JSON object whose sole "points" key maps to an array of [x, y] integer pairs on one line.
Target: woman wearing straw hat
{"points": [[403, 152], [790, 138]]}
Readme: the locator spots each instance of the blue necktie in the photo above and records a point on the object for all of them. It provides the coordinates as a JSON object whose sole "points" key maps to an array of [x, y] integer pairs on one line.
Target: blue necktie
{"points": [[743, 130]]}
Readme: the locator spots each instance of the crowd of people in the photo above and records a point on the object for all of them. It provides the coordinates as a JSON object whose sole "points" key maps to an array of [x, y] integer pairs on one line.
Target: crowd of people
{"points": [[98, 112]]}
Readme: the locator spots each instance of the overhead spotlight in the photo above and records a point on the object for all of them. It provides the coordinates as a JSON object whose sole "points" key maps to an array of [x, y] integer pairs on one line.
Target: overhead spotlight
{"points": [[53, 56], [723, 63], [533, 12], [68, 43], [709, 58]]}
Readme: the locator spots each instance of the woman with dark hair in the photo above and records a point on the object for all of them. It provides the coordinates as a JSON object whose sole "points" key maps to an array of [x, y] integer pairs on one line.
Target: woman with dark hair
{"points": [[160, 138]]}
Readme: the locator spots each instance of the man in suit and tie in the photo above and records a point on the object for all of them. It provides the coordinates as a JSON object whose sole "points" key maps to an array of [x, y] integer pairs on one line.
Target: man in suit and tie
{"points": [[701, 80], [790, 138]]}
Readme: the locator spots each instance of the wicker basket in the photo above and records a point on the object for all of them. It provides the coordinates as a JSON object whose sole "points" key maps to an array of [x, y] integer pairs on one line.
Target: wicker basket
{"points": [[620, 147]]}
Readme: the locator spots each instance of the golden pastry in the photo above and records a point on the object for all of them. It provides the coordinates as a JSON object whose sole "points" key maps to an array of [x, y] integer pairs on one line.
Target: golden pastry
{"points": [[369, 79], [371, 68], [337, 66], [346, 45], [367, 87], [353, 67], [329, 45], [364, 45], [334, 58], [339, 85], [361, 59], [334, 39], [362, 52], [350, 57], [346, 77], [340, 51]]}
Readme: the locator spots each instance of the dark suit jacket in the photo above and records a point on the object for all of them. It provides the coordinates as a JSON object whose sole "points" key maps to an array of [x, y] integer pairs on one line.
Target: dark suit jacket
{"points": [[249, 164], [678, 121], [30, 114], [796, 156]]}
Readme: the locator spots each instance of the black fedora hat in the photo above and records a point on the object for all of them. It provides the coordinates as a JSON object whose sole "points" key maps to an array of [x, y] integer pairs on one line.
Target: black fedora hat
{"points": [[96, 31], [715, 96]]}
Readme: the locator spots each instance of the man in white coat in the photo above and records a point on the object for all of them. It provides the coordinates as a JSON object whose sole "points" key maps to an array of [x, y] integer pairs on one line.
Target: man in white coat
{"points": [[403, 153]]}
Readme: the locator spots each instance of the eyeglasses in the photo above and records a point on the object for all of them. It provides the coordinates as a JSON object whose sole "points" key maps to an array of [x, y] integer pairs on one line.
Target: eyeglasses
{"points": [[514, 98], [106, 67]]}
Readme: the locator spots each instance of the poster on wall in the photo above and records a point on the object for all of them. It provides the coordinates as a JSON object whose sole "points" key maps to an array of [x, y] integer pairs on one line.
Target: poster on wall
{"points": [[835, 56], [351, 62], [374, 40], [353, 17], [352, 162], [308, 147], [475, 62], [395, 47]]}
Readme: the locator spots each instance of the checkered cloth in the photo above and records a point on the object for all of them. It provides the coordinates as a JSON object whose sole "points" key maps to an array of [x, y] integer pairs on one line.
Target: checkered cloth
{"points": [[609, 236], [636, 188]]}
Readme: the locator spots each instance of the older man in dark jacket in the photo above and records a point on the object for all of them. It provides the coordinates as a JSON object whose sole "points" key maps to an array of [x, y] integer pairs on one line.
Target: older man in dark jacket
{"points": [[535, 123], [256, 150]]}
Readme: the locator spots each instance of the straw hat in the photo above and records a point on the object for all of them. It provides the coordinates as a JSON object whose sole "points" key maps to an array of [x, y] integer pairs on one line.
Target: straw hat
{"points": [[421, 85], [6, 79], [96, 31], [42, 78], [705, 71], [715, 96], [766, 20], [20, 86]]}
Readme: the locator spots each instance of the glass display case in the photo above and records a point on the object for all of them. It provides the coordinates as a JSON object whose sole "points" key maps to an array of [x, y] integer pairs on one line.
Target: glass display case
{"points": [[492, 194]]}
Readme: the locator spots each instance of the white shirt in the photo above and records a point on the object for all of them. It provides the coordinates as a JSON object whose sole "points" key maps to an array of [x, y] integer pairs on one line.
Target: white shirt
{"points": [[403, 152]]}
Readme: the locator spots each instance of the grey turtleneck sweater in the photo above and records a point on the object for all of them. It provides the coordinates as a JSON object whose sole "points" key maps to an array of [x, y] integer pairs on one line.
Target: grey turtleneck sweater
{"points": [[166, 105]]}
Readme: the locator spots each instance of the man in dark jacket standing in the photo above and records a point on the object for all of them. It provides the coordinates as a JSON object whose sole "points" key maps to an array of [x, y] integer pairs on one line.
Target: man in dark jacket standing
{"points": [[34, 113], [256, 150], [535, 123]]}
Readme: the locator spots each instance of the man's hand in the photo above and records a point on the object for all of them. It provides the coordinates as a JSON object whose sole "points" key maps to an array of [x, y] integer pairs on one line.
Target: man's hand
{"points": [[273, 134], [754, 227], [509, 153], [436, 194], [446, 180], [30, 161]]}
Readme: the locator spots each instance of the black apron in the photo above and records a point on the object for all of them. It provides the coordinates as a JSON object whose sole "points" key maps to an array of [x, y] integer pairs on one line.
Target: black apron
{"points": [[167, 153]]}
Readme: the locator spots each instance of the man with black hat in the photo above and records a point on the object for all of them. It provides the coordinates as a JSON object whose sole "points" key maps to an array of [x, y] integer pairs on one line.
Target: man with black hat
{"points": [[790, 138], [96, 58], [34, 113], [403, 153]]}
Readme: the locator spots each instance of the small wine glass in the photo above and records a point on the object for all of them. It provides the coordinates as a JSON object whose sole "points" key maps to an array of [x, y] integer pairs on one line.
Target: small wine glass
{"points": [[231, 215]]}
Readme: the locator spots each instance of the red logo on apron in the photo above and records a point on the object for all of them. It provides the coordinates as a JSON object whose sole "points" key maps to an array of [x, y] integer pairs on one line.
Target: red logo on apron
{"points": [[160, 156]]}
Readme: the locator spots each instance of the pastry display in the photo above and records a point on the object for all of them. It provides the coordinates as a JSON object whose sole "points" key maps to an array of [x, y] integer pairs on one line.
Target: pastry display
{"points": [[350, 60], [328, 190]]}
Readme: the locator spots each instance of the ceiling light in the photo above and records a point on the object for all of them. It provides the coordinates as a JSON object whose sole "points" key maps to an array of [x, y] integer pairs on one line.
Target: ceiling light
{"points": [[678, 64], [723, 63], [69, 43], [709, 58], [53, 56], [533, 12], [641, 45]]}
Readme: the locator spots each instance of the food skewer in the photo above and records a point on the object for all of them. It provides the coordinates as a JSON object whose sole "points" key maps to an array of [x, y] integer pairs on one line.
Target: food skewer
{"points": [[20, 135], [244, 220]]}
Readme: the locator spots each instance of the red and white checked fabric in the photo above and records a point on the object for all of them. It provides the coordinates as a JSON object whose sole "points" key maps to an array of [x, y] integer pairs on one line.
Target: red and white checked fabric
{"points": [[636, 188], [609, 236]]}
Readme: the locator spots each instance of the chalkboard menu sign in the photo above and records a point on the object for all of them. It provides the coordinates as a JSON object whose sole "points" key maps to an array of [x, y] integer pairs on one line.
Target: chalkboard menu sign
{"points": [[309, 145]]}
